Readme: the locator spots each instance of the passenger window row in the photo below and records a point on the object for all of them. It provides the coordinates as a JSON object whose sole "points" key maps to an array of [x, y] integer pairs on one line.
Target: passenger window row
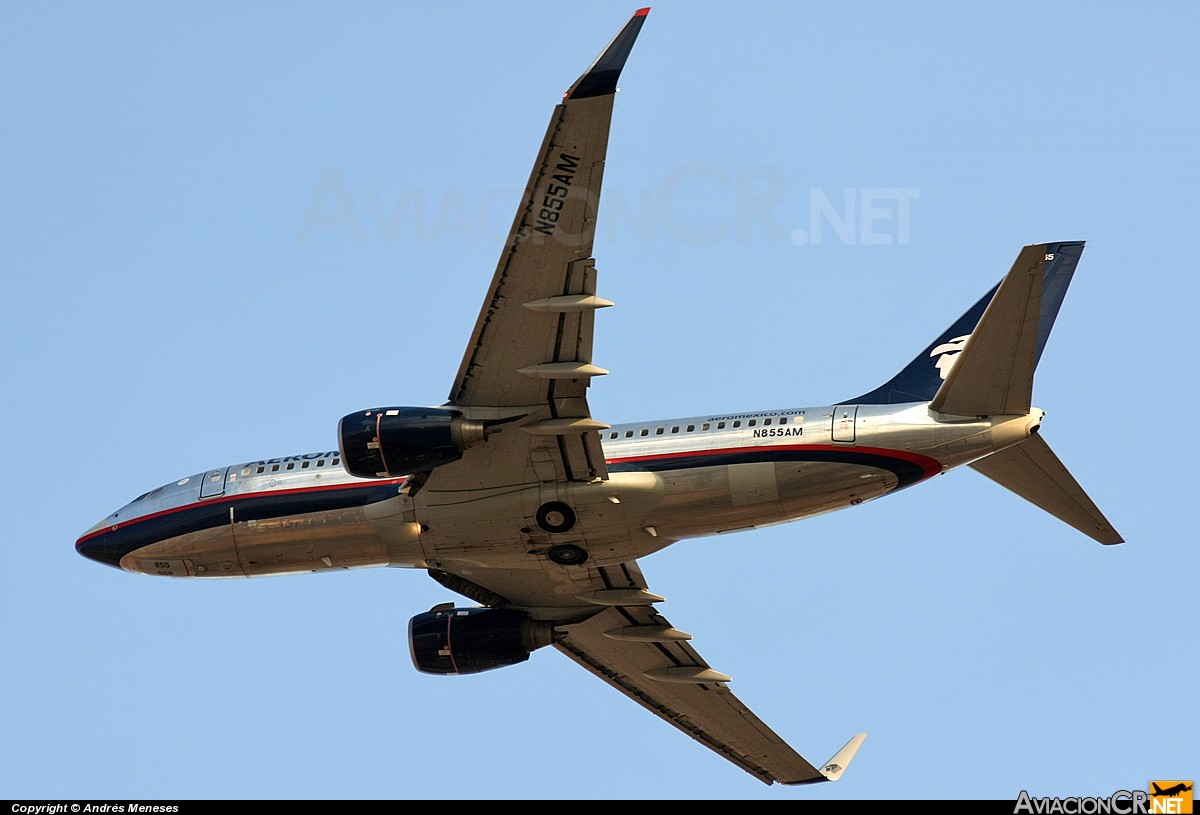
{"points": [[691, 428]]}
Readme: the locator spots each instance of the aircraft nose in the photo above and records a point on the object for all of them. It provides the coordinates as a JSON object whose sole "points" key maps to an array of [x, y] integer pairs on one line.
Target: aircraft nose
{"points": [[103, 544]]}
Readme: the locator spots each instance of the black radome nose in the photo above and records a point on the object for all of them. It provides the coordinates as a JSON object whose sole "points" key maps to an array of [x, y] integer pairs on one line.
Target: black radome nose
{"points": [[104, 545]]}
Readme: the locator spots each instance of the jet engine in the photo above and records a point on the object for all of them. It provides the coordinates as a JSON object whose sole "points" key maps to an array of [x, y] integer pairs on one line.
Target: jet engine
{"points": [[387, 442], [452, 641]]}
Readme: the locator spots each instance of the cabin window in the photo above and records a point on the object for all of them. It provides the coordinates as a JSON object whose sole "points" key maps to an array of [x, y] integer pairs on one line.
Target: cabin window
{"points": [[658, 431], [720, 425], [704, 426], [336, 462], [612, 435], [675, 429], [690, 428], [260, 470], [783, 419], [645, 431], [629, 434], [291, 465], [737, 423], [766, 422], [752, 423], [304, 466]]}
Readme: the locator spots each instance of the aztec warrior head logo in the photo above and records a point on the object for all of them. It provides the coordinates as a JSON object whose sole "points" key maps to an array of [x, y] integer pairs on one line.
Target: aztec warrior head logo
{"points": [[947, 354]]}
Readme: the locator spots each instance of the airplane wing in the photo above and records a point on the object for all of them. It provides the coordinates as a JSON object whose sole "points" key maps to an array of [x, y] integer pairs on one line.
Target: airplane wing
{"points": [[636, 650], [530, 354], [525, 374]]}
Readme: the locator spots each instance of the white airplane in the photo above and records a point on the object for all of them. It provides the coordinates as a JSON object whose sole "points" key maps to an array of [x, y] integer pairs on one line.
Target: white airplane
{"points": [[513, 496]]}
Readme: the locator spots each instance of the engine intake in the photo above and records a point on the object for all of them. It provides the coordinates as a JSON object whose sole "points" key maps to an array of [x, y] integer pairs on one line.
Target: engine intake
{"points": [[472, 640], [388, 442]]}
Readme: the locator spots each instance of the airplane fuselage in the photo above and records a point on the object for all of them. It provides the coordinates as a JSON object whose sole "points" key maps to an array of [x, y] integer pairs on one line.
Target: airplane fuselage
{"points": [[668, 480]]}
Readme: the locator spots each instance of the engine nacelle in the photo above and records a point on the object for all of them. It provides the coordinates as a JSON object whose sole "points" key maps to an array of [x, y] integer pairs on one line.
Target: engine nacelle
{"points": [[387, 442], [473, 640]]}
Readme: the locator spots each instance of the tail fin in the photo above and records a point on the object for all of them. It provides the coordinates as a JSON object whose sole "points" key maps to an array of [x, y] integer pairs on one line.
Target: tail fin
{"points": [[922, 378]]}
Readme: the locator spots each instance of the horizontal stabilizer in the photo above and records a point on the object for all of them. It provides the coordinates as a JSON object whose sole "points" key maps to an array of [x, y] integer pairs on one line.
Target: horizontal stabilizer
{"points": [[1032, 471]]}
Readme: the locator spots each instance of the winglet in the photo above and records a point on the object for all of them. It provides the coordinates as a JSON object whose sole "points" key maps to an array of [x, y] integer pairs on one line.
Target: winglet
{"points": [[601, 78], [837, 765]]}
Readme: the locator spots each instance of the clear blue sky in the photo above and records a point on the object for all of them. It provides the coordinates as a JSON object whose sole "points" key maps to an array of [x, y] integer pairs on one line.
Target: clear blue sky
{"points": [[225, 225]]}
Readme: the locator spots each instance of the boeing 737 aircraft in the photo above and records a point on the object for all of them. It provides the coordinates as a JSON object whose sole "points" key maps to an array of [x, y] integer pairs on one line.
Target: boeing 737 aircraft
{"points": [[512, 495]]}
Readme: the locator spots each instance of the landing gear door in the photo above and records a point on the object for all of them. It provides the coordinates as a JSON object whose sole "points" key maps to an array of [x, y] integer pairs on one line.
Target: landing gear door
{"points": [[844, 417]]}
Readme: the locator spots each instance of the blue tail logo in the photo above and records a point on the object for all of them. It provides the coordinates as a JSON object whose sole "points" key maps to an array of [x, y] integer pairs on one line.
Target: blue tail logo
{"points": [[947, 354]]}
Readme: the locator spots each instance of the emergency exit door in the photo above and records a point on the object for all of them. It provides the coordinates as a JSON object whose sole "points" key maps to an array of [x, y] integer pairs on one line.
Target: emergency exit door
{"points": [[844, 417]]}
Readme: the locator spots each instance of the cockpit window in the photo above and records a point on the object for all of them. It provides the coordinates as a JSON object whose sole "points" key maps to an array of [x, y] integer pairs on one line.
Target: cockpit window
{"points": [[150, 494]]}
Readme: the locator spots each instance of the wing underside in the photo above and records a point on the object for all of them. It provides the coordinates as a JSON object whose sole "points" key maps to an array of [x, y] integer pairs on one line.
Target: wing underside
{"points": [[624, 640], [637, 651], [529, 358]]}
